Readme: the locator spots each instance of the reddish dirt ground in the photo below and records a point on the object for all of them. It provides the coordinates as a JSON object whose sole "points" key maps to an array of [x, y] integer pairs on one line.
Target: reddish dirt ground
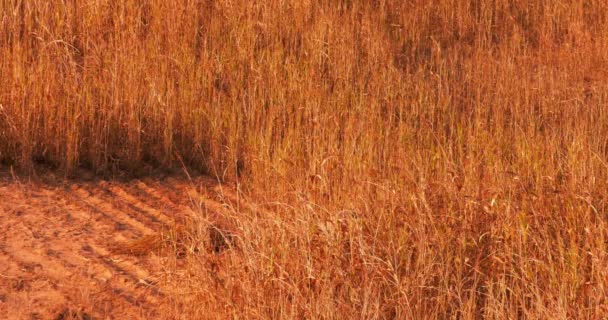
{"points": [[58, 240]]}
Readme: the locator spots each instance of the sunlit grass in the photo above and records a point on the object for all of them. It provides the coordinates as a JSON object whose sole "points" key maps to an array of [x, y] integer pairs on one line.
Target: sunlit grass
{"points": [[403, 159]]}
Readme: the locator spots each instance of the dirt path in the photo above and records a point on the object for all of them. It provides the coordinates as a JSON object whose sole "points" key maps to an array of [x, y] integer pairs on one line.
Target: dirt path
{"points": [[56, 258]]}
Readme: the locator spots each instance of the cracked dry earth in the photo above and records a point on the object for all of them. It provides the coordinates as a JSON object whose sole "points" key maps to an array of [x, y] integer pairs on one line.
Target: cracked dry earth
{"points": [[56, 240]]}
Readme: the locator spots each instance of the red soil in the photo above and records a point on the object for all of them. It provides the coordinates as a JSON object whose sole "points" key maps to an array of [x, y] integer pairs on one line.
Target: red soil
{"points": [[58, 241]]}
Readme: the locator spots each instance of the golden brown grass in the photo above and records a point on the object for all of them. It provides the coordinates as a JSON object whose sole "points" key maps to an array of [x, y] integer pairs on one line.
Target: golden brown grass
{"points": [[403, 159]]}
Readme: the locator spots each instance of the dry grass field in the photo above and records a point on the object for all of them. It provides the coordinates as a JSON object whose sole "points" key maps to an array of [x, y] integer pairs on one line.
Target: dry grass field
{"points": [[363, 159]]}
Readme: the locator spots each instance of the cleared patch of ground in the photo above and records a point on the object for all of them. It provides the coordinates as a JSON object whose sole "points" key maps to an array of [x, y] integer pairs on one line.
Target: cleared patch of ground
{"points": [[72, 249]]}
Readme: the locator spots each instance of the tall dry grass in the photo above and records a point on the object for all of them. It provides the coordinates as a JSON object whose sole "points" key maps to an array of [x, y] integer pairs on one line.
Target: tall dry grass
{"points": [[404, 159]]}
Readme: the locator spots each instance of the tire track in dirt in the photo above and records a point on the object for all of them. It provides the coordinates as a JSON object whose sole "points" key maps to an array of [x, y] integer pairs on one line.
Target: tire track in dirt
{"points": [[138, 203], [101, 199], [56, 249], [83, 204]]}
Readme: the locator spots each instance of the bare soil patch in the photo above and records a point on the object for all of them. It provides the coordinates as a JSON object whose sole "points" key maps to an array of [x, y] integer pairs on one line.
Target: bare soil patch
{"points": [[89, 249]]}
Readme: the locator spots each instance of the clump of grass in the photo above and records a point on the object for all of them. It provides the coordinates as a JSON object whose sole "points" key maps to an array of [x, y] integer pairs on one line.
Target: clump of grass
{"points": [[405, 159], [180, 240]]}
